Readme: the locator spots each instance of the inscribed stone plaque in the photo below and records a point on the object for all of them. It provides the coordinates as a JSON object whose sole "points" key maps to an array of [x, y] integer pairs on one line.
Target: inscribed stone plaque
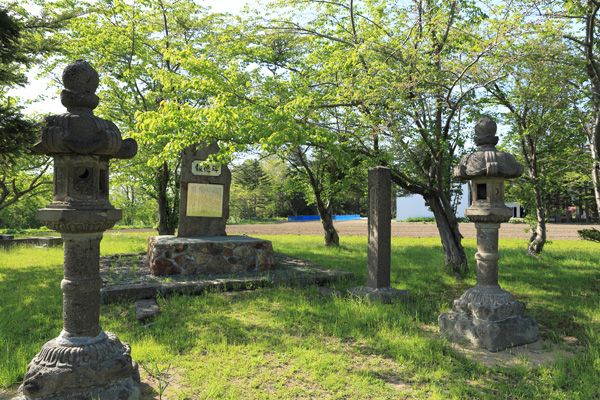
{"points": [[199, 168], [204, 200]]}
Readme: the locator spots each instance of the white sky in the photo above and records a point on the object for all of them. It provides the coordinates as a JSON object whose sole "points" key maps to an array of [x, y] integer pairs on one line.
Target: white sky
{"points": [[52, 105]]}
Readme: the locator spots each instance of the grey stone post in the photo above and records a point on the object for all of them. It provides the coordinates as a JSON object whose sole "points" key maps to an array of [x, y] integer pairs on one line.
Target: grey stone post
{"points": [[81, 285], [487, 253], [83, 362], [380, 227], [486, 315], [380, 235]]}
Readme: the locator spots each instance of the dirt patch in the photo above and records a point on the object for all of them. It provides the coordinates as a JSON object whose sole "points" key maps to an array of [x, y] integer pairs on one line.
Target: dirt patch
{"points": [[401, 229], [162, 384], [542, 352], [9, 393]]}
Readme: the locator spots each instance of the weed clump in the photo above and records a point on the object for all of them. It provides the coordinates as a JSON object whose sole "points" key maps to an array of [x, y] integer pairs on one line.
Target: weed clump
{"points": [[592, 234]]}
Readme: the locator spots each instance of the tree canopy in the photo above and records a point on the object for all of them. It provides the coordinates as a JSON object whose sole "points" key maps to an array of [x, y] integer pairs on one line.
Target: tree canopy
{"points": [[333, 88]]}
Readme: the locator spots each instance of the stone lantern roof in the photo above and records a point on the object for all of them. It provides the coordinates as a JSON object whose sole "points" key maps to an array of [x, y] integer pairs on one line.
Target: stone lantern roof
{"points": [[486, 161], [79, 131]]}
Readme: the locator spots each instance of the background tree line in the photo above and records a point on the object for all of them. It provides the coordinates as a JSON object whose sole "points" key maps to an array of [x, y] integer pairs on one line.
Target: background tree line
{"points": [[326, 90]]}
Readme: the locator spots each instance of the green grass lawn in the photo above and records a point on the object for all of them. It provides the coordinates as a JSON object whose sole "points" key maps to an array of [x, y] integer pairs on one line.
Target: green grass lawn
{"points": [[288, 343]]}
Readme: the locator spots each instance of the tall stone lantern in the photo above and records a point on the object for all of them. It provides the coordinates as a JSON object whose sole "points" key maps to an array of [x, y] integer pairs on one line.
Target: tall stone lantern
{"points": [[486, 315], [84, 361]]}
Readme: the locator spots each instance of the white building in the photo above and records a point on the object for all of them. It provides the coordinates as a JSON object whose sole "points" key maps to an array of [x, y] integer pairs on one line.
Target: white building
{"points": [[414, 206]]}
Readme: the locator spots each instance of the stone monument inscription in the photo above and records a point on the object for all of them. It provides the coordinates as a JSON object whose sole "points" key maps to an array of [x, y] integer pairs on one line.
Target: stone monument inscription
{"points": [[380, 235], [204, 200], [200, 168]]}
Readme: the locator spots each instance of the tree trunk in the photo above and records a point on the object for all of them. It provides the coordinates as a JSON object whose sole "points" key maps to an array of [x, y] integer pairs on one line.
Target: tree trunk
{"points": [[579, 205], [538, 236], [587, 206], [454, 253], [596, 182], [165, 223], [326, 213]]}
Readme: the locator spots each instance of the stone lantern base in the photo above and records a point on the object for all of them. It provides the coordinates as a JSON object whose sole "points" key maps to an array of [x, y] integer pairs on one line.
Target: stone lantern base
{"points": [[489, 318], [84, 369]]}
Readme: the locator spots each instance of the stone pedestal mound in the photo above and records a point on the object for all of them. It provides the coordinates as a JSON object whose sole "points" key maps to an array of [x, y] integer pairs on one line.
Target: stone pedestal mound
{"points": [[169, 255], [486, 315], [84, 362]]}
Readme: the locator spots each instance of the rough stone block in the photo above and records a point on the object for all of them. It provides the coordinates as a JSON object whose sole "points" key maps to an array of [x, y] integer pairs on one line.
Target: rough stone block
{"points": [[51, 241], [384, 295], [145, 309], [162, 266], [129, 292]]}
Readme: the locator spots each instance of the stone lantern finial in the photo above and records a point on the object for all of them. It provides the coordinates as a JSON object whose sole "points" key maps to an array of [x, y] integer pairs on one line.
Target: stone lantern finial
{"points": [[485, 132], [487, 161], [79, 131], [81, 81]]}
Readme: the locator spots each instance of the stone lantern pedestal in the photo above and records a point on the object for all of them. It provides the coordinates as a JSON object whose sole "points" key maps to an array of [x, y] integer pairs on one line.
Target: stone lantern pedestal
{"points": [[486, 315], [84, 362]]}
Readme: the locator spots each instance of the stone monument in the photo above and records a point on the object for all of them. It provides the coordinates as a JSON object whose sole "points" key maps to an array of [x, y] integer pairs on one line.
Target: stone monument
{"points": [[84, 361], [202, 245], [379, 248], [486, 315], [204, 196]]}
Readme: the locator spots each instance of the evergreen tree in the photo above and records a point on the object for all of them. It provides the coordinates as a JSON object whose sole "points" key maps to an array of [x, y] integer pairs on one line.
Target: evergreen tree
{"points": [[22, 44], [251, 175], [252, 192], [16, 131]]}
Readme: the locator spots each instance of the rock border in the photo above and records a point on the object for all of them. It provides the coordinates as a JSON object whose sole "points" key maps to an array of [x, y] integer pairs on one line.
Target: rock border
{"points": [[292, 271]]}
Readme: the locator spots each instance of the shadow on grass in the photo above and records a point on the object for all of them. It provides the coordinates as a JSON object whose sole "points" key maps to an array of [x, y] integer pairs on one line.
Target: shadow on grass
{"points": [[30, 315], [332, 337]]}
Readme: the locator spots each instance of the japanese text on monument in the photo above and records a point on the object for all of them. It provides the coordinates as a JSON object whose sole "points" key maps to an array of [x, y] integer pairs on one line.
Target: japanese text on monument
{"points": [[204, 200]]}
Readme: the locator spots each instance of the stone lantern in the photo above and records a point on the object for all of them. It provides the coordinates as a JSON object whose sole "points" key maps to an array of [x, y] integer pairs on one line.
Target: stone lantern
{"points": [[486, 315], [84, 361]]}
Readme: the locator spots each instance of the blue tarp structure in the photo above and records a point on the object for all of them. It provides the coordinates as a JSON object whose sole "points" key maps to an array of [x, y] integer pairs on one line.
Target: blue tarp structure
{"points": [[302, 218], [345, 217]]}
